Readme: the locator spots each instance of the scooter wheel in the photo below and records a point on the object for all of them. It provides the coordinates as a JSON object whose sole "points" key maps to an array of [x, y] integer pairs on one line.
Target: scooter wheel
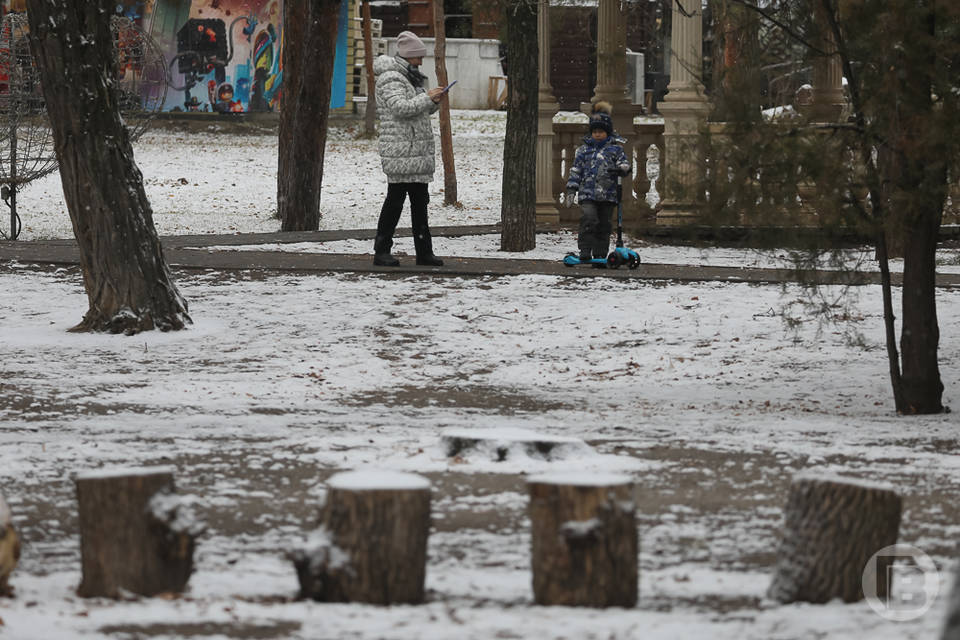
{"points": [[613, 260], [634, 262]]}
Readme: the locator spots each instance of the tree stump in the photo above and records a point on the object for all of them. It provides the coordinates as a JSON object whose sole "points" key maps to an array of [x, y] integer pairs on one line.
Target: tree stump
{"points": [[832, 527], [498, 445], [584, 540], [9, 548], [372, 542], [951, 629], [136, 535]]}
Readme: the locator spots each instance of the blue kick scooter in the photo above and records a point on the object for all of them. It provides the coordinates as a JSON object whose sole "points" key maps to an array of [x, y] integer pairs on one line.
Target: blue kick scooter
{"points": [[620, 255]]}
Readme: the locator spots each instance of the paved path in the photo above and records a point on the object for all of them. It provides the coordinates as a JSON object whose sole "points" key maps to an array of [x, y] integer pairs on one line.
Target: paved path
{"points": [[189, 252]]}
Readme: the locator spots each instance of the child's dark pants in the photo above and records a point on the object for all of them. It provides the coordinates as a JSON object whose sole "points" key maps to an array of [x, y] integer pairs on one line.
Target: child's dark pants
{"points": [[594, 238]]}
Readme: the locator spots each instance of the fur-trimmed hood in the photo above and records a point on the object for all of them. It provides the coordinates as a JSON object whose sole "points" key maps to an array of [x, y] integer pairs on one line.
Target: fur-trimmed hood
{"points": [[386, 63]]}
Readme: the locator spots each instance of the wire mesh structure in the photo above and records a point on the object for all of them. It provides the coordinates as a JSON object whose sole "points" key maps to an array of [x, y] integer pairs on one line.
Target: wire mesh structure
{"points": [[141, 75], [26, 143], [26, 140]]}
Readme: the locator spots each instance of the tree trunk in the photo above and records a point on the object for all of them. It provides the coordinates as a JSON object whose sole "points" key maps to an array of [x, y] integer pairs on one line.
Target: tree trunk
{"points": [[128, 284], [310, 37], [921, 385], [519, 190], [889, 321], [370, 112], [736, 74], [446, 135], [920, 195], [831, 529], [584, 539], [132, 537], [372, 542]]}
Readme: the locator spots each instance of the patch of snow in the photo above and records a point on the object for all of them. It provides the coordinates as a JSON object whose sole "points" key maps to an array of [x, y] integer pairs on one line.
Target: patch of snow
{"points": [[179, 512], [507, 434], [322, 552], [119, 472], [579, 529], [377, 480], [820, 476], [581, 479]]}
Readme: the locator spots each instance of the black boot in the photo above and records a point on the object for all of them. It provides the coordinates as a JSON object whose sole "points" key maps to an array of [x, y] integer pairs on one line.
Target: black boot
{"points": [[429, 261], [424, 246], [381, 252]]}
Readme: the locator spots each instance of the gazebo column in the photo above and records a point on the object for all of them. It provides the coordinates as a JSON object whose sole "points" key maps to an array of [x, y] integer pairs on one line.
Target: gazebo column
{"points": [[684, 109], [612, 62], [612, 82], [546, 206], [828, 98]]}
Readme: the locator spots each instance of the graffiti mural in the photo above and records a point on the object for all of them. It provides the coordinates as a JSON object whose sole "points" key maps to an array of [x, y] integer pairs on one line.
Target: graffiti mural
{"points": [[16, 6], [223, 55]]}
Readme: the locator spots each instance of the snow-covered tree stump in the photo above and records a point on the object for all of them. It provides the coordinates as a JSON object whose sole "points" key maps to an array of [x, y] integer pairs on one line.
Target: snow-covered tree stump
{"points": [[502, 444], [832, 527], [951, 629], [584, 540], [9, 547], [135, 534], [372, 542]]}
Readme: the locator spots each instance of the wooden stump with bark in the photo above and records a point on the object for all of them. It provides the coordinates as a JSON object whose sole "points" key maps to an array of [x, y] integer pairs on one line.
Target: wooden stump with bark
{"points": [[9, 548], [502, 444], [371, 545], [136, 534], [833, 526], [584, 540]]}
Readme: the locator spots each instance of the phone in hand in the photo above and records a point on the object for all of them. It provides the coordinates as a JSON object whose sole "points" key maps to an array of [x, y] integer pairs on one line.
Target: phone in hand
{"points": [[447, 88]]}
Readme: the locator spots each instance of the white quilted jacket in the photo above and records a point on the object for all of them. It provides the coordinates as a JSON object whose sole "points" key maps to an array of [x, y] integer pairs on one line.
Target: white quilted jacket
{"points": [[406, 136]]}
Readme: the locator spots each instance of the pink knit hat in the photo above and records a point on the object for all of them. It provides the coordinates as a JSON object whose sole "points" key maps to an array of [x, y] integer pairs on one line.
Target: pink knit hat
{"points": [[410, 46]]}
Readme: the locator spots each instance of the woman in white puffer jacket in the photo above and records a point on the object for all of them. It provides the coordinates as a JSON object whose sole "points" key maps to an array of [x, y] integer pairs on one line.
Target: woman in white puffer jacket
{"points": [[406, 147]]}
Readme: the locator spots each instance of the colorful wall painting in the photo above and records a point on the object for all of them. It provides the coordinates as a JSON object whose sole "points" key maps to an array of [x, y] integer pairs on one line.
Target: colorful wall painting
{"points": [[225, 56]]}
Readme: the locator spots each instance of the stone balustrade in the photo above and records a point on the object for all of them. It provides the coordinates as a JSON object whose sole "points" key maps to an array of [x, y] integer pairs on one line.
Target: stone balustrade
{"points": [[567, 136]]}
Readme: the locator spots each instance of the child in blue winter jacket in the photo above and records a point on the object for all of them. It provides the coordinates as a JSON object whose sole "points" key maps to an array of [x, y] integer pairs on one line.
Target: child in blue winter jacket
{"points": [[600, 160]]}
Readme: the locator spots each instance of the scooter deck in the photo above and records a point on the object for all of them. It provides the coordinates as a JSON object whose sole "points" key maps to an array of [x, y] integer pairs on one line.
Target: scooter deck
{"points": [[573, 260], [617, 258]]}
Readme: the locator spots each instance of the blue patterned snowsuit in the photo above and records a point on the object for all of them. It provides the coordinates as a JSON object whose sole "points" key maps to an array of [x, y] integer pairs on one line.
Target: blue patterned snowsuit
{"points": [[593, 176]]}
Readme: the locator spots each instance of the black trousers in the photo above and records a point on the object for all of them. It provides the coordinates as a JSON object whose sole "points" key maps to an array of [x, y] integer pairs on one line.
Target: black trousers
{"points": [[397, 193], [594, 238]]}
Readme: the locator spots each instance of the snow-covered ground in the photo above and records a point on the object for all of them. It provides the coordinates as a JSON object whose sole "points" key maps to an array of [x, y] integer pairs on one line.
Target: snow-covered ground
{"points": [[699, 392], [211, 182]]}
